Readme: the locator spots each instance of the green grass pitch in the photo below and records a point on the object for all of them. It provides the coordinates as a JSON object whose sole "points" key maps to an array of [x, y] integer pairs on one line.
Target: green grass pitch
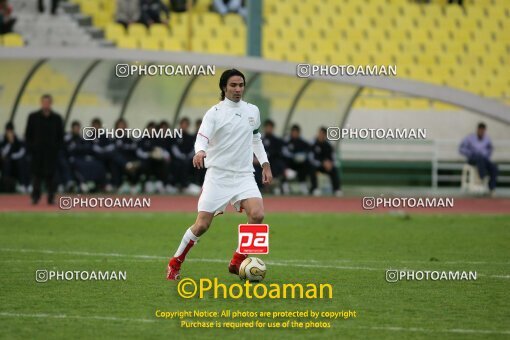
{"points": [[349, 251]]}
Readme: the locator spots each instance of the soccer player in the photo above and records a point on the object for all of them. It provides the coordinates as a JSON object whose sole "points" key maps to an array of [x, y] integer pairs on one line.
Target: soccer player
{"points": [[225, 144]]}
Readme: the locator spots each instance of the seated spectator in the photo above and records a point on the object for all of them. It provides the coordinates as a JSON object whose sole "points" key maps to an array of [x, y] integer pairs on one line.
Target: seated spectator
{"points": [[7, 21], [477, 148], [125, 162], [84, 165], [183, 150], [322, 158], [13, 159], [155, 162], [54, 6], [103, 148], [295, 151], [230, 6], [458, 2], [151, 12], [64, 178], [273, 146], [128, 12], [180, 6]]}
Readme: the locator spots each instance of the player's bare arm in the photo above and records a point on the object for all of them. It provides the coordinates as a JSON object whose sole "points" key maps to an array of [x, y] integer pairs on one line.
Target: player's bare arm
{"points": [[267, 175], [198, 160]]}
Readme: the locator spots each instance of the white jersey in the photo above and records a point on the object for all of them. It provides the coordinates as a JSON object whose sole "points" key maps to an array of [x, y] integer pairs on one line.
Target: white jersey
{"points": [[229, 136]]}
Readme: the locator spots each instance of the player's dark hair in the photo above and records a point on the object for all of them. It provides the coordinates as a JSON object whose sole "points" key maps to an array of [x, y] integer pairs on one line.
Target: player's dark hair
{"points": [[96, 121], [120, 120], [482, 125], [323, 130], [268, 122], [75, 123], [225, 76], [183, 120], [163, 123], [295, 127], [47, 96], [9, 126]]}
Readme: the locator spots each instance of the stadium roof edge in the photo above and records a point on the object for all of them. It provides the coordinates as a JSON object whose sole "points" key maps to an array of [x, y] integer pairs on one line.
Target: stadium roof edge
{"points": [[467, 100]]}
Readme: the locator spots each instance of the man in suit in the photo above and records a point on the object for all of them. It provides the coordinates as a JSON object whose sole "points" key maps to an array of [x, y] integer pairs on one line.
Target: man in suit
{"points": [[44, 136]]}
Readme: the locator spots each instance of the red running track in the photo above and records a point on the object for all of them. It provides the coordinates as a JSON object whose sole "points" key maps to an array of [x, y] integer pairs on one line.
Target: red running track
{"points": [[20, 203]]}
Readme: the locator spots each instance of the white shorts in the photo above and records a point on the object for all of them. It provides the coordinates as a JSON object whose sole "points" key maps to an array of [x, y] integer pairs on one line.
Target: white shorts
{"points": [[221, 187]]}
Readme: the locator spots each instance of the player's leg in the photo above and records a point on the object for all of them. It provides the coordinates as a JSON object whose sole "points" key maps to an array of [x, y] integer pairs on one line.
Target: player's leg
{"points": [[189, 239], [254, 209], [493, 174]]}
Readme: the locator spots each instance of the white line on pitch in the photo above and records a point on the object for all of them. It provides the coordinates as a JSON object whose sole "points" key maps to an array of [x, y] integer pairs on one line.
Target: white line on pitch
{"points": [[274, 263], [425, 330], [383, 328], [64, 316], [282, 261]]}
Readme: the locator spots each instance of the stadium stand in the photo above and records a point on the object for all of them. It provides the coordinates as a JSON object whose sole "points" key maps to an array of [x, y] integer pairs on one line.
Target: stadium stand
{"points": [[465, 48], [431, 42], [37, 29], [435, 42]]}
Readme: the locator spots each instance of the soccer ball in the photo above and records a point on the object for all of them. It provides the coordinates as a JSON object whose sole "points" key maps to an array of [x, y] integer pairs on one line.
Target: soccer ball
{"points": [[252, 269]]}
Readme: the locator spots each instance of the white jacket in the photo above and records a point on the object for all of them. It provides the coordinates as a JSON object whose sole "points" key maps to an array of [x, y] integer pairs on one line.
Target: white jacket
{"points": [[229, 136]]}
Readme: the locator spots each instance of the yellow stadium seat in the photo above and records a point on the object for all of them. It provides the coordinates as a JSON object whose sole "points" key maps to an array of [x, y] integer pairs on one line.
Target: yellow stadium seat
{"points": [[13, 40], [150, 43], [202, 6], [173, 44], [127, 42], [114, 31], [232, 20], [137, 30], [90, 7], [212, 20], [158, 30], [178, 19], [102, 19]]}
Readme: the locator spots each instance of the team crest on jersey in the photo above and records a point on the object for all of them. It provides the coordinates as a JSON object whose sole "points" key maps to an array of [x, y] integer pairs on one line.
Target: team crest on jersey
{"points": [[252, 121]]}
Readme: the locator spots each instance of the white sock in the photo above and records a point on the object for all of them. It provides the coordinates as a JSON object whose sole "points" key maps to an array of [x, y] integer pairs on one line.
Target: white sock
{"points": [[188, 236]]}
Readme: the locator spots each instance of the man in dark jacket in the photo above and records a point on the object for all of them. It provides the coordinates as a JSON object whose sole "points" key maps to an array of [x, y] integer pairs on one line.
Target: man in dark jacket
{"points": [[151, 12], [44, 137], [322, 159], [295, 151], [183, 150], [82, 159], [14, 162]]}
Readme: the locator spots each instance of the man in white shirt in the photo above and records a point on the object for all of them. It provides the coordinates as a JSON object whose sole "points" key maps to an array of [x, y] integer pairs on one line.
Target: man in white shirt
{"points": [[225, 144]]}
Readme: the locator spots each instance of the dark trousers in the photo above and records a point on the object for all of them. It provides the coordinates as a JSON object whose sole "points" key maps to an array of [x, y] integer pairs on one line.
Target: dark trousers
{"points": [[6, 27], [156, 169], [14, 171], [36, 184], [43, 163], [485, 167], [333, 176], [199, 176], [89, 169], [183, 172], [303, 169], [54, 5]]}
